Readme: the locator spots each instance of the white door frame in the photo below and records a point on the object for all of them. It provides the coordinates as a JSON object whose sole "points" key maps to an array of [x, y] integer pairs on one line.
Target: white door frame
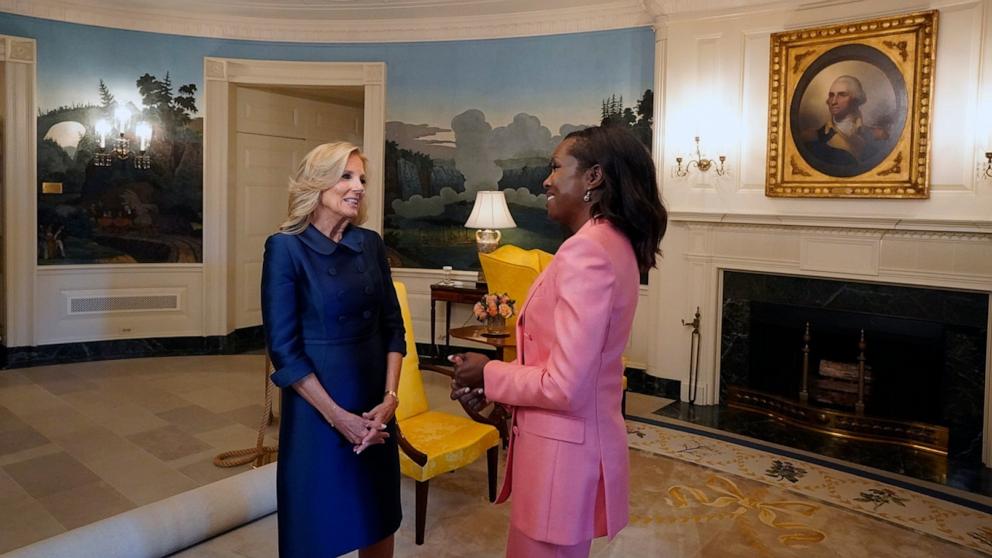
{"points": [[221, 75], [20, 187]]}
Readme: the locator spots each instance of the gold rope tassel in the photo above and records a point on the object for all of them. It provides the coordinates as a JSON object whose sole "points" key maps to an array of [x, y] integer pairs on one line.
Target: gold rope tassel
{"points": [[260, 454]]}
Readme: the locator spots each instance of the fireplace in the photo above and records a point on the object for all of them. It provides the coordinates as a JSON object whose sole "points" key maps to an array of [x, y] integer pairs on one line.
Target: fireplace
{"points": [[924, 357]]}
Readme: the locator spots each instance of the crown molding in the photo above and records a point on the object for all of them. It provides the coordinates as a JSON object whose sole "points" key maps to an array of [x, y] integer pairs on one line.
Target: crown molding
{"points": [[615, 14]]}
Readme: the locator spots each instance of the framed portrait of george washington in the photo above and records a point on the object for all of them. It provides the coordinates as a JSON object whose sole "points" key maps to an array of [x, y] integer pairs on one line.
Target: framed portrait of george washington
{"points": [[849, 109]]}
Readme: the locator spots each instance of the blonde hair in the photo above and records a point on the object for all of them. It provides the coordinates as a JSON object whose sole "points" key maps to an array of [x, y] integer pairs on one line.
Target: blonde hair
{"points": [[319, 170]]}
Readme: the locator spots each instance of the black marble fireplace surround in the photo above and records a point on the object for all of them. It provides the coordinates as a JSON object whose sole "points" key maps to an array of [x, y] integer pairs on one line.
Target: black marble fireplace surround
{"points": [[926, 346]]}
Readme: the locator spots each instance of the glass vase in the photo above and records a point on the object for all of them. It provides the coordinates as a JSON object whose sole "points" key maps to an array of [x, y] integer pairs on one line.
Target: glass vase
{"points": [[495, 326]]}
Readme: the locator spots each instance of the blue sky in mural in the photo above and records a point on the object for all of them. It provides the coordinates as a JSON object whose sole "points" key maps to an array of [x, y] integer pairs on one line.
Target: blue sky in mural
{"points": [[549, 76], [553, 73]]}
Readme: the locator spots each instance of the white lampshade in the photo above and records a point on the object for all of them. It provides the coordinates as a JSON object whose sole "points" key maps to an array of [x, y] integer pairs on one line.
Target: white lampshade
{"points": [[490, 212]]}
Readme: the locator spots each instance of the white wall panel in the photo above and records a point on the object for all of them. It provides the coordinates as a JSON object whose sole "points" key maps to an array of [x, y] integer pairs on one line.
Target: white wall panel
{"points": [[54, 324], [754, 111], [959, 41]]}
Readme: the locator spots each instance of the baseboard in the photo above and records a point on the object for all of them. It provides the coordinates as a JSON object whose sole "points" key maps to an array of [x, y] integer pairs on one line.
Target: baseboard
{"points": [[238, 341], [639, 381]]}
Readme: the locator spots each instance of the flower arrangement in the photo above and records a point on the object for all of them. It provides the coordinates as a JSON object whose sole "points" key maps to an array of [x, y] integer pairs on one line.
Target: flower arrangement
{"points": [[494, 305]]}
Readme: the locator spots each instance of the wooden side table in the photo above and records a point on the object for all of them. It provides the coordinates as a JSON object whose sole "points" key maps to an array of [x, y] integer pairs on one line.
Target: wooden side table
{"points": [[450, 294], [474, 333]]}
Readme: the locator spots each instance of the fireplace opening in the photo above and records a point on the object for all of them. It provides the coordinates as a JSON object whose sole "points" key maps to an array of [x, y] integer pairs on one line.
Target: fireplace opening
{"points": [[903, 360], [924, 363]]}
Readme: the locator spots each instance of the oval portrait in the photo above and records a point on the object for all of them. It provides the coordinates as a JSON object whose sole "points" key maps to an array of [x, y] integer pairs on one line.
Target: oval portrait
{"points": [[848, 110]]}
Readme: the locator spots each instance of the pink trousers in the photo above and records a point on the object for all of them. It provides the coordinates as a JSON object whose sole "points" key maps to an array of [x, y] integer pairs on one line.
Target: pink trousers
{"points": [[520, 545]]}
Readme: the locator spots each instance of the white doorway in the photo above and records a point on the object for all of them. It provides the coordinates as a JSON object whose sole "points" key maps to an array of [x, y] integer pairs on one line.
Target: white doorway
{"points": [[273, 129], [261, 118]]}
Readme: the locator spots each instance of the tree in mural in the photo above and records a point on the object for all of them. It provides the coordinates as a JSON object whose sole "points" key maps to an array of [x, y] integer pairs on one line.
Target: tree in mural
{"points": [[171, 110], [638, 119], [106, 97]]}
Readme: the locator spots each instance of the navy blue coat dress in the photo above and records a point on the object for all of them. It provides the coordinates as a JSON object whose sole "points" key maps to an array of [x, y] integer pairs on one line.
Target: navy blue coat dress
{"points": [[331, 309]]}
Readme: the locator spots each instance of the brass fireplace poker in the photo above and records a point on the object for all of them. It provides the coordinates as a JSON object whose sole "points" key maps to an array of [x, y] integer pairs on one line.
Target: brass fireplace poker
{"points": [[693, 357]]}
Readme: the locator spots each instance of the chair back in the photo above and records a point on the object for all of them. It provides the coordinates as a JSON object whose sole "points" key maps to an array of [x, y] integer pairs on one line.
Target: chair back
{"points": [[413, 398], [512, 270], [543, 259]]}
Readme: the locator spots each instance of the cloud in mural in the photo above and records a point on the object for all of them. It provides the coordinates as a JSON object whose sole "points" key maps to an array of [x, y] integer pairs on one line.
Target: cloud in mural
{"points": [[478, 145], [524, 197], [472, 154], [419, 206], [418, 138], [566, 129], [524, 137]]}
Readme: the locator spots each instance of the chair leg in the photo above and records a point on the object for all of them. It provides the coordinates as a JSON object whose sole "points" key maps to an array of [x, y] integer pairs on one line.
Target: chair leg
{"points": [[492, 464], [623, 404], [421, 518]]}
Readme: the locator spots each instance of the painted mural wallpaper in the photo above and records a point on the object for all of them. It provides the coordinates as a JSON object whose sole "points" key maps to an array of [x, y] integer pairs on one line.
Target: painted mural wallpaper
{"points": [[121, 172], [462, 116], [483, 121]]}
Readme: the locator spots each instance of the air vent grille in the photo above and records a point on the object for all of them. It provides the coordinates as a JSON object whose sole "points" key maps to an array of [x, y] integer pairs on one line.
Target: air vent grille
{"points": [[125, 303]]}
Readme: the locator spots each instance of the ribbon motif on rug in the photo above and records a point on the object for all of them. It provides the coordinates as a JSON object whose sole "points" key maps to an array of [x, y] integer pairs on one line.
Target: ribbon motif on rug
{"points": [[728, 494]]}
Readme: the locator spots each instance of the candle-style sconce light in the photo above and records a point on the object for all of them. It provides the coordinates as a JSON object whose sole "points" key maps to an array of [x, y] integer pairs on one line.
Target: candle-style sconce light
{"points": [[121, 149], [986, 173], [701, 163]]}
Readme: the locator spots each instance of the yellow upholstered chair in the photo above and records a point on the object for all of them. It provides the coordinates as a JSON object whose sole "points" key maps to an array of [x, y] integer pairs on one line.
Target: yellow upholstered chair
{"points": [[511, 269], [434, 442]]}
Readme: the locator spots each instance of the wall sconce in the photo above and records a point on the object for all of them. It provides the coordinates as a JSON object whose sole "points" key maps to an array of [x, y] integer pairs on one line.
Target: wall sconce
{"points": [[986, 173], [122, 146], [700, 163]]}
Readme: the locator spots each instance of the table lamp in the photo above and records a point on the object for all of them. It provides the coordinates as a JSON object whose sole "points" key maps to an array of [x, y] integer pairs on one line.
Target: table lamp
{"points": [[489, 214]]}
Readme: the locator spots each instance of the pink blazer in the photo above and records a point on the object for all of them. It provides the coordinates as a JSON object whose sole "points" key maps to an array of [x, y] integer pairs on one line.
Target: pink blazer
{"points": [[567, 463]]}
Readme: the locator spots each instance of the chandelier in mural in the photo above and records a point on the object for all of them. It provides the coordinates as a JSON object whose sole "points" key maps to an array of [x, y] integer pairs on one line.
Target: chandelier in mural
{"points": [[121, 149]]}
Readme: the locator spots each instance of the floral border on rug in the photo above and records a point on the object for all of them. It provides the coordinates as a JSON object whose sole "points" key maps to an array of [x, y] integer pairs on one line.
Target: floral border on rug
{"points": [[922, 513]]}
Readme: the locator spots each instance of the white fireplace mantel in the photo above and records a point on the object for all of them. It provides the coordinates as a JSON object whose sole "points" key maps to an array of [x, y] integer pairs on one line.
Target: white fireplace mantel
{"points": [[699, 246]]}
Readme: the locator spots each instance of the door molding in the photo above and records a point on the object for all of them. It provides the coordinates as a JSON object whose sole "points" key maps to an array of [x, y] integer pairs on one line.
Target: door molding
{"points": [[220, 76], [20, 186]]}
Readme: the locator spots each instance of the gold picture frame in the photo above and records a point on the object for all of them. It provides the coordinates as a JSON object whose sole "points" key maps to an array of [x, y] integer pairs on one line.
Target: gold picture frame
{"points": [[849, 109]]}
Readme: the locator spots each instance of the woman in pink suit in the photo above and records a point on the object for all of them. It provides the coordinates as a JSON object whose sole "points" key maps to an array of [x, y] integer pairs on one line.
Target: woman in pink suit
{"points": [[567, 463]]}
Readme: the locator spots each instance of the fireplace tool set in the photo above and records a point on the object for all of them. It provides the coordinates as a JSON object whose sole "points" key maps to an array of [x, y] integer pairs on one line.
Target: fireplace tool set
{"points": [[693, 357]]}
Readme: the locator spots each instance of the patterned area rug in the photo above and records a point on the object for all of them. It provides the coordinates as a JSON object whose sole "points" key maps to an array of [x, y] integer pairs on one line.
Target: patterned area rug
{"points": [[794, 522]]}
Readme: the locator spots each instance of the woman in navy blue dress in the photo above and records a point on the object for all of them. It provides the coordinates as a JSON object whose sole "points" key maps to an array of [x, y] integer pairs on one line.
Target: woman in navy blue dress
{"points": [[335, 335]]}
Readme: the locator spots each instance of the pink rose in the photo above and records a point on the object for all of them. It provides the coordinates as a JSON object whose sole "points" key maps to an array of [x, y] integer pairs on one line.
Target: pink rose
{"points": [[505, 310]]}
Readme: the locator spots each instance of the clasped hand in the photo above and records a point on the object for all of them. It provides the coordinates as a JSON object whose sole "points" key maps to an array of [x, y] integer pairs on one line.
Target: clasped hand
{"points": [[368, 429], [467, 386]]}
